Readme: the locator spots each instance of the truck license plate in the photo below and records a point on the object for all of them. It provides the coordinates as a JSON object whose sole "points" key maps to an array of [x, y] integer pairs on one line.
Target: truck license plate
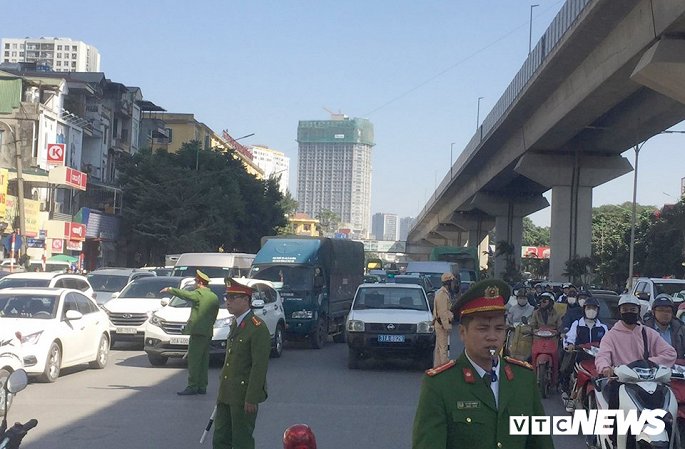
{"points": [[126, 330], [182, 340], [391, 338]]}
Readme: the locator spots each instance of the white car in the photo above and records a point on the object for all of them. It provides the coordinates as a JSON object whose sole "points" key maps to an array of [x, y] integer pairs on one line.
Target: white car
{"points": [[163, 331], [52, 279], [11, 360], [390, 320], [59, 328], [129, 310]]}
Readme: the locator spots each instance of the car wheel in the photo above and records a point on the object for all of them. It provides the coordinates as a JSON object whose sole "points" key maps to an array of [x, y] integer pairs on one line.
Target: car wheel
{"points": [[353, 359], [103, 354], [157, 360], [320, 334], [53, 364], [5, 397], [277, 348]]}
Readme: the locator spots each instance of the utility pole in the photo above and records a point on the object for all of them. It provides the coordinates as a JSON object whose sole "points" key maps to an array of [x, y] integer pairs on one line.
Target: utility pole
{"points": [[20, 181], [530, 30]]}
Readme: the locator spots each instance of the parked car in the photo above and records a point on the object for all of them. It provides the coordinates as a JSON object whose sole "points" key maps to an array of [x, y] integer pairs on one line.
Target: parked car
{"points": [[59, 327], [106, 281], [130, 309], [53, 279], [421, 280], [11, 359], [646, 289], [390, 320], [55, 265], [159, 271], [163, 331]]}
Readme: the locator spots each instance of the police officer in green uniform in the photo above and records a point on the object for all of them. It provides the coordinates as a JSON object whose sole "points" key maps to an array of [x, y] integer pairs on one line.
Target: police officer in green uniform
{"points": [[242, 384], [466, 403], [200, 327]]}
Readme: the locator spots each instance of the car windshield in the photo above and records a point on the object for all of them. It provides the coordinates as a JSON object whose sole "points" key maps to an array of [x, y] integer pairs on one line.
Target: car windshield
{"points": [[390, 298], [8, 282], [108, 282], [42, 307], [294, 278], [148, 288], [670, 288], [218, 289], [434, 278]]}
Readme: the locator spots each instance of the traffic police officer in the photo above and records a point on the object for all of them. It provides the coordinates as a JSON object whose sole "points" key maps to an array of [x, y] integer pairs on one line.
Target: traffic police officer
{"points": [[242, 384], [200, 327], [466, 403], [442, 319]]}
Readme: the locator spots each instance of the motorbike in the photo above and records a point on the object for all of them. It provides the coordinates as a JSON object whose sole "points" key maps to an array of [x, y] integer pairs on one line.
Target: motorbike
{"points": [[545, 358], [678, 387], [11, 438], [580, 382], [643, 386]]}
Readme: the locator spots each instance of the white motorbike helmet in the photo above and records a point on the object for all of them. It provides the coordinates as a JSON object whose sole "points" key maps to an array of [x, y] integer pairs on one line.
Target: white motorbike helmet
{"points": [[627, 298]]}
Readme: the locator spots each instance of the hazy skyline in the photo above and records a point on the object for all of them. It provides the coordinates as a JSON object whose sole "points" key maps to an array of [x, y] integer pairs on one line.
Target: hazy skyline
{"points": [[415, 69]]}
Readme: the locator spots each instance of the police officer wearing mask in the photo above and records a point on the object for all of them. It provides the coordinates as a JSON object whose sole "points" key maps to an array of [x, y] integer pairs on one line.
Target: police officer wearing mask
{"points": [[670, 329], [521, 308]]}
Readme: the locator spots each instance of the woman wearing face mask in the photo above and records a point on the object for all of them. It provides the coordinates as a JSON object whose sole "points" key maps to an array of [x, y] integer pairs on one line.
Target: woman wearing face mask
{"points": [[625, 343], [574, 310], [546, 315]]}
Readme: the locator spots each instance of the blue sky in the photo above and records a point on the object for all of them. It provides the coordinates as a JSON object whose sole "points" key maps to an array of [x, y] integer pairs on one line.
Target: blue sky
{"points": [[415, 69]]}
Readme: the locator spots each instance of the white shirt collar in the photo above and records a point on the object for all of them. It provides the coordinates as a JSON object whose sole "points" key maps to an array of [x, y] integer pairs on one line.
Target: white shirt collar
{"points": [[481, 372], [239, 319]]}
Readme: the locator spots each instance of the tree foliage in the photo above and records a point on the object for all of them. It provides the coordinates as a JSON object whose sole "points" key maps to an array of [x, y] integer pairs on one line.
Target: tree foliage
{"points": [[171, 208], [534, 235], [329, 221]]}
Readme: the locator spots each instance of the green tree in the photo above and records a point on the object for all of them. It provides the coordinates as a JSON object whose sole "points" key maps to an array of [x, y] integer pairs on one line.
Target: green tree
{"points": [[170, 207], [578, 269], [328, 220], [289, 206], [534, 235], [511, 273]]}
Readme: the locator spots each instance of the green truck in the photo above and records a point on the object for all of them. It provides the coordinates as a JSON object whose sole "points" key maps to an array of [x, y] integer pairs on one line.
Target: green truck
{"points": [[317, 278], [466, 258]]}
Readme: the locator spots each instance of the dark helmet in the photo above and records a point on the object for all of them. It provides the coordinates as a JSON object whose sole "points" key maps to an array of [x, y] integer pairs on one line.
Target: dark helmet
{"points": [[583, 292], [590, 301], [520, 290], [663, 300]]}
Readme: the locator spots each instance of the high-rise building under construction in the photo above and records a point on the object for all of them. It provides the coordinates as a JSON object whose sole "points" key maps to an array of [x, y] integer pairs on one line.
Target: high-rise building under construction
{"points": [[334, 169]]}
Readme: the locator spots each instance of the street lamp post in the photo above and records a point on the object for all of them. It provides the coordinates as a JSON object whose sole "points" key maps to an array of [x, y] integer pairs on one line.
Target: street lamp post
{"points": [[478, 113], [451, 158], [530, 30]]}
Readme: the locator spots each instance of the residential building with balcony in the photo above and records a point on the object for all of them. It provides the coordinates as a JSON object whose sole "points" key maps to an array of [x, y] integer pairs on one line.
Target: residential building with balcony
{"points": [[274, 164], [59, 54]]}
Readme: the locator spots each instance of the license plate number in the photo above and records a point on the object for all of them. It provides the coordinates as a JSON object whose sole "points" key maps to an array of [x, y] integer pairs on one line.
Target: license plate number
{"points": [[127, 330], [182, 340], [391, 338]]}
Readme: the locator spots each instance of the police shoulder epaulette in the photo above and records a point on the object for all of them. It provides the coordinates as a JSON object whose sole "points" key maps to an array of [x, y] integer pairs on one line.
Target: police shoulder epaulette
{"points": [[256, 321], [519, 362], [439, 369]]}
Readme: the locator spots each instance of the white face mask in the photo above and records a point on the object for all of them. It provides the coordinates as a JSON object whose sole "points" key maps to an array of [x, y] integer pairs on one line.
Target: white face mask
{"points": [[591, 314], [571, 299], [581, 302]]}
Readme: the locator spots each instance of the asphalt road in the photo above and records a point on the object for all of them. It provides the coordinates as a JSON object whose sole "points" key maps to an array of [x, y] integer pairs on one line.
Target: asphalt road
{"points": [[131, 404]]}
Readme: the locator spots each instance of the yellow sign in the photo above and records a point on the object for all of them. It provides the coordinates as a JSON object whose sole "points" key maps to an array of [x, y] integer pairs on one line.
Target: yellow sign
{"points": [[4, 180], [31, 214]]}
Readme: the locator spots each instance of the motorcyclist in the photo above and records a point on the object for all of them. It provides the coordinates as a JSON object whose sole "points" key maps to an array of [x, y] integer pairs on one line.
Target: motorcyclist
{"points": [[521, 308], [563, 297], [546, 315], [672, 330], [625, 343], [574, 310]]}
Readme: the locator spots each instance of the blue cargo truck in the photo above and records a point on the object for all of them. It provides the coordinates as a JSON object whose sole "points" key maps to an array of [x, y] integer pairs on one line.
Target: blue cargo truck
{"points": [[317, 278]]}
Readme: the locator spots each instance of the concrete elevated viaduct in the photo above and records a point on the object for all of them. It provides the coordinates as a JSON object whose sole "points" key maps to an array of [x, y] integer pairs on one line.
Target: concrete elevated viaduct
{"points": [[605, 76]]}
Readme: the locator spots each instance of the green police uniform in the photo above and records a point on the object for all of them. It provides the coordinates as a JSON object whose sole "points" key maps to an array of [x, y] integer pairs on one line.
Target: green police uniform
{"points": [[457, 407], [200, 327], [243, 379]]}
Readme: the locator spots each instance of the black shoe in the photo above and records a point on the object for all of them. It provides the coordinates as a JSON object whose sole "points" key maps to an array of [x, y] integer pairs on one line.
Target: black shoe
{"points": [[189, 391], [201, 391]]}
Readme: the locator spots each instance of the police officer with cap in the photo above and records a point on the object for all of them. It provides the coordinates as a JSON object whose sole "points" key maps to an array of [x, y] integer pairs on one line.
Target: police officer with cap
{"points": [[671, 329], [200, 327], [467, 403], [442, 318]]}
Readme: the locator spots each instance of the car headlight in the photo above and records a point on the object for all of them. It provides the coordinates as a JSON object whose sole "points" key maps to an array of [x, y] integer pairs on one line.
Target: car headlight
{"points": [[303, 314], [31, 339], [425, 327], [355, 326], [155, 320], [223, 322]]}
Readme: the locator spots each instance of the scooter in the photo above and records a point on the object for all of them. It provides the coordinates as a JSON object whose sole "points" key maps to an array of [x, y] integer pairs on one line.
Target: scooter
{"points": [[678, 387], [546, 358], [581, 378], [11, 438], [643, 386]]}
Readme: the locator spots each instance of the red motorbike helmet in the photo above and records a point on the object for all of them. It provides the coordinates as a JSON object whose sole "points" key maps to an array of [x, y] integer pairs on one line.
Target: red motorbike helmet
{"points": [[299, 436]]}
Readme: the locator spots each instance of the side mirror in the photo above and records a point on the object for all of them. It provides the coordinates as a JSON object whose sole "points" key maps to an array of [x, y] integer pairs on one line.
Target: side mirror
{"points": [[257, 304], [73, 315], [164, 301], [17, 381], [644, 296]]}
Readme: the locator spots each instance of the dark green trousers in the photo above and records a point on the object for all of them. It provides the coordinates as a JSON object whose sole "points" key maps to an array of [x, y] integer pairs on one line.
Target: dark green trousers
{"points": [[233, 428], [198, 361]]}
